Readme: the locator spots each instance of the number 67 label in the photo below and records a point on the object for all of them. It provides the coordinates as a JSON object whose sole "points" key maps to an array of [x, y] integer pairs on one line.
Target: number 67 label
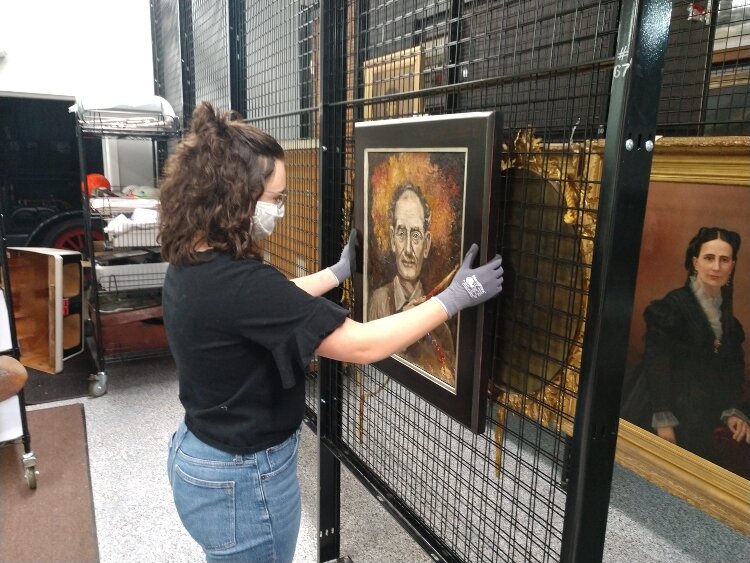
{"points": [[622, 69]]}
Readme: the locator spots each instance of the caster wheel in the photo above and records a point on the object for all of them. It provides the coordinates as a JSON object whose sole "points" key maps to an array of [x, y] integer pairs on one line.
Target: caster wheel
{"points": [[97, 388], [98, 384], [31, 473]]}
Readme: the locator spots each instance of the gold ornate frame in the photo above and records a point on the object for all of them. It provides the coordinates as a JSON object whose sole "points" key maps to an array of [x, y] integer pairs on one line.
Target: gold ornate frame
{"points": [[575, 170], [395, 73], [567, 169]]}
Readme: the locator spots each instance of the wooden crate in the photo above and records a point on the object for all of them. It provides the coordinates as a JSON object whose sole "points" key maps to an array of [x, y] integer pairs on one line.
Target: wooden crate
{"points": [[47, 288], [133, 331]]}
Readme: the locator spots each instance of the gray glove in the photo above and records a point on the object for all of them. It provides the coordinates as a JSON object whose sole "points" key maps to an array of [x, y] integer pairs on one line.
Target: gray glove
{"points": [[472, 286], [344, 268]]}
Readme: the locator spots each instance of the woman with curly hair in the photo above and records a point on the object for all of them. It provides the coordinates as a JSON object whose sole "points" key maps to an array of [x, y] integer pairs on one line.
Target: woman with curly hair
{"points": [[242, 335]]}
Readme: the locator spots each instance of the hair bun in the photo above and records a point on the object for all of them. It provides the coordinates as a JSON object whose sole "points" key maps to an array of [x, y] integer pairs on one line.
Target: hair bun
{"points": [[205, 119]]}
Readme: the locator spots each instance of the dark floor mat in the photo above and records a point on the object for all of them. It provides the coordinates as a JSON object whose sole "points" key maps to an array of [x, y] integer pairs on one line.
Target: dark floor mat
{"points": [[70, 383], [55, 521]]}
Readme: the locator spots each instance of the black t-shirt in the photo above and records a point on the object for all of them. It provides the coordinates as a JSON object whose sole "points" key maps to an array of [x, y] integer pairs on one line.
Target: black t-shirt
{"points": [[242, 336]]}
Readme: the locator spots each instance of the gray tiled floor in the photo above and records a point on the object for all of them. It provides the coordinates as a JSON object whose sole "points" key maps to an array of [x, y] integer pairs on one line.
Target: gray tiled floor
{"points": [[128, 429]]}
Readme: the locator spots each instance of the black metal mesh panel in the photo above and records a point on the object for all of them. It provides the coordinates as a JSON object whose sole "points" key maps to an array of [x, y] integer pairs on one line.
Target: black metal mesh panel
{"points": [[706, 88], [450, 478], [544, 63], [168, 67], [280, 64], [281, 61], [281, 58], [546, 67], [728, 100], [211, 52]]}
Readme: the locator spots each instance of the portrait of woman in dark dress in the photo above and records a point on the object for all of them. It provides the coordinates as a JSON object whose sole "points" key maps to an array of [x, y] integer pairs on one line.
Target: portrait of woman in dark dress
{"points": [[688, 387]]}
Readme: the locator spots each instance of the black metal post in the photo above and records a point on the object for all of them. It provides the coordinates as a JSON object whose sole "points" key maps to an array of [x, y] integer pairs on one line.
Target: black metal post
{"points": [[332, 167], [155, 44], [159, 148], [634, 100], [188, 60], [89, 239], [713, 21], [454, 36], [237, 57]]}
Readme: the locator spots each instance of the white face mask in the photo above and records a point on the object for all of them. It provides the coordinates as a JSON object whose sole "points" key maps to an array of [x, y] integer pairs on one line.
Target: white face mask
{"points": [[264, 219]]}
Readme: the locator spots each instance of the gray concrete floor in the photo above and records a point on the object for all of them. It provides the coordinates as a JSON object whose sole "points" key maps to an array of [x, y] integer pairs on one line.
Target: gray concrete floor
{"points": [[129, 427]]}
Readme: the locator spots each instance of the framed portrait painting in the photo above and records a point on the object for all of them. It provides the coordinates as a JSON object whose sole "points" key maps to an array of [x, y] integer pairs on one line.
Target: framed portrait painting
{"points": [[686, 395], [695, 182], [423, 197]]}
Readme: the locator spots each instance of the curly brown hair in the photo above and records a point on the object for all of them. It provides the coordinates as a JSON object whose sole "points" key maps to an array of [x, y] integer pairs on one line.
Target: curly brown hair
{"points": [[211, 184]]}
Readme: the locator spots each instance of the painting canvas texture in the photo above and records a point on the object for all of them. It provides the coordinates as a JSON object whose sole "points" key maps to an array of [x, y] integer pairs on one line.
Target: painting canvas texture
{"points": [[414, 217]]}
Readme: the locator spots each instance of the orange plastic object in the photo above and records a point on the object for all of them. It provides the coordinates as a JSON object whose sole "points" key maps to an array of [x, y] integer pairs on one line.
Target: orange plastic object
{"points": [[96, 181]]}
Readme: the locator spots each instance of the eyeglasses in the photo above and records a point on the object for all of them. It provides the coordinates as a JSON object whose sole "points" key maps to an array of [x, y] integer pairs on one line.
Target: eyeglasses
{"points": [[279, 198], [416, 236]]}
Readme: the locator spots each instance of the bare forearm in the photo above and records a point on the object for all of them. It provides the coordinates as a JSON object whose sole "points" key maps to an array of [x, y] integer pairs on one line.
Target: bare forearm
{"points": [[364, 343], [317, 284]]}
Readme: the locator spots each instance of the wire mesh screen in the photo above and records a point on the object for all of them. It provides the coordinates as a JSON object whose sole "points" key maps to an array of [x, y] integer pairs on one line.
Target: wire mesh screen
{"points": [[279, 67], [706, 86], [168, 68], [546, 66], [281, 48], [551, 57], [211, 52], [728, 100], [481, 501]]}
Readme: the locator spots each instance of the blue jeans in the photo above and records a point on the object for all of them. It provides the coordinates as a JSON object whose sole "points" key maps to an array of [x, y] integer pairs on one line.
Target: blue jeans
{"points": [[237, 507]]}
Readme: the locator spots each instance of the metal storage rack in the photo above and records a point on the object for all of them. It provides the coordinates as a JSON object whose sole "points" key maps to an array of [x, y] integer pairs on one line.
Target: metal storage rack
{"points": [[18, 430], [126, 275]]}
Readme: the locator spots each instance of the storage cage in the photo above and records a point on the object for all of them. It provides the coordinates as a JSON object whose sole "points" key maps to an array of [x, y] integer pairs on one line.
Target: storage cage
{"points": [[586, 90]]}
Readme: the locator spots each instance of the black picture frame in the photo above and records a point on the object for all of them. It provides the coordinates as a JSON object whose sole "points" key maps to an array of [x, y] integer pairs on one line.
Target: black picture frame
{"points": [[454, 160]]}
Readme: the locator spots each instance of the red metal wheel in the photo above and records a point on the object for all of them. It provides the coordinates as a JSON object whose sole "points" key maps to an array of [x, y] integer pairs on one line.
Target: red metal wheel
{"points": [[69, 235]]}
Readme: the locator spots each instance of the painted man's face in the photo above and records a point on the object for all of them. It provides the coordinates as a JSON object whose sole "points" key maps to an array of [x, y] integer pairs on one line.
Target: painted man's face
{"points": [[409, 241]]}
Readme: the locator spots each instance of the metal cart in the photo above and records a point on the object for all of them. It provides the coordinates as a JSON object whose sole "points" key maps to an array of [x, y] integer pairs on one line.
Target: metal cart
{"points": [[126, 275], [14, 425]]}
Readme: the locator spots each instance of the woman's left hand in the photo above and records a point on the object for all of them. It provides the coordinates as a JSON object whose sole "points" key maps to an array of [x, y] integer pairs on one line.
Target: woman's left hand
{"points": [[740, 429], [347, 264]]}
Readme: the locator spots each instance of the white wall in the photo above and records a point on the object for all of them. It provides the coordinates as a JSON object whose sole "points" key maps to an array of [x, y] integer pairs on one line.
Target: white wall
{"points": [[76, 48], [81, 48]]}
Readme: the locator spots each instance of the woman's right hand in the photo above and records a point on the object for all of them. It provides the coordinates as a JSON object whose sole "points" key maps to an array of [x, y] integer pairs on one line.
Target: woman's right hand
{"points": [[740, 429], [667, 432]]}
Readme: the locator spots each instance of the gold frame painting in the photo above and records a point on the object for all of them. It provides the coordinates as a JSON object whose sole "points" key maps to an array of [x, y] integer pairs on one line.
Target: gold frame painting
{"points": [[394, 73], [566, 170], [574, 171]]}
